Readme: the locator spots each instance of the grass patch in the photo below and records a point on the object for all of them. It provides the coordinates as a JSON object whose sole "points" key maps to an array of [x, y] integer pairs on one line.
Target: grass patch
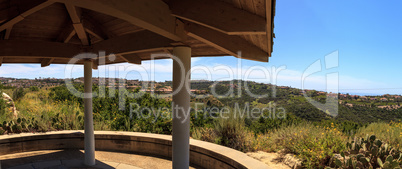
{"points": [[388, 132]]}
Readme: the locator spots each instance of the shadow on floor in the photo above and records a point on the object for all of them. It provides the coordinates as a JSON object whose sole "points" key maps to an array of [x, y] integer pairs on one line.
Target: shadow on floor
{"points": [[58, 159], [73, 159]]}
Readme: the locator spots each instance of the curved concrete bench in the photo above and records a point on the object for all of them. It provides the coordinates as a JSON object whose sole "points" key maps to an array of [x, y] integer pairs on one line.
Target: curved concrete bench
{"points": [[203, 154]]}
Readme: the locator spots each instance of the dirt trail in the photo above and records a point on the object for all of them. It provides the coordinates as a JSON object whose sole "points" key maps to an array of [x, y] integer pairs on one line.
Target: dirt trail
{"points": [[276, 160]]}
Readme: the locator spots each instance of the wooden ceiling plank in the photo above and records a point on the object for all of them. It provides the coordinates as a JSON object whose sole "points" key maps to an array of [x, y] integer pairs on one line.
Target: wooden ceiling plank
{"points": [[95, 27], [70, 35], [4, 14], [20, 17], [1, 60], [248, 5], [97, 35], [46, 62], [219, 16], [36, 8], [152, 15], [259, 6], [132, 43], [67, 33], [227, 43]]}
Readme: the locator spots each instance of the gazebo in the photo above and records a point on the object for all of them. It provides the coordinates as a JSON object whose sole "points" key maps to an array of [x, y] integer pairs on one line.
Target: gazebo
{"points": [[55, 31]]}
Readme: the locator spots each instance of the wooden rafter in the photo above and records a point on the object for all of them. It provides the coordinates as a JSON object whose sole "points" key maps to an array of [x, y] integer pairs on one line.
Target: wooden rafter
{"points": [[219, 16], [1, 60], [75, 15], [38, 49], [95, 64], [24, 14], [8, 32], [131, 58], [229, 44], [132, 43], [153, 15], [46, 62]]}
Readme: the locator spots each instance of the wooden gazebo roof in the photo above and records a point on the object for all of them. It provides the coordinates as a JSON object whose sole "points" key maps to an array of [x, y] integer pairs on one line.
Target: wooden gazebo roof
{"points": [[53, 31]]}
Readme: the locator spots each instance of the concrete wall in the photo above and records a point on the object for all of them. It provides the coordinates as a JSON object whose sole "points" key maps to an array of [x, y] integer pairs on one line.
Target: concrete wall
{"points": [[202, 154]]}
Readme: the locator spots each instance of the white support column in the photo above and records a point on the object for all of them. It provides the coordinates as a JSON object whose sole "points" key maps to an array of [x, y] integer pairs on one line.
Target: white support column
{"points": [[89, 137], [181, 101]]}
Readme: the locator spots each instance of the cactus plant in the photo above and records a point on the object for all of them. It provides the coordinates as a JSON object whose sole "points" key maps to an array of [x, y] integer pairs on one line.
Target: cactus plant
{"points": [[368, 152]]}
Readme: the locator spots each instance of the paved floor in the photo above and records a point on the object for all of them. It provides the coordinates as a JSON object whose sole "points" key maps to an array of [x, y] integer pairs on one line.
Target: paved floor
{"points": [[64, 159]]}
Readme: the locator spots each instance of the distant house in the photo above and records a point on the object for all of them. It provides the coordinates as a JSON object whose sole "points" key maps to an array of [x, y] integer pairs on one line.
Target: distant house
{"points": [[349, 104], [373, 98], [355, 96], [384, 99], [363, 98], [332, 95]]}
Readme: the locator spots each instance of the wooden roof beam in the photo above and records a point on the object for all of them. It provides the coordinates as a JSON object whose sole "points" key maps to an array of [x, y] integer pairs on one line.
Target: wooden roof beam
{"points": [[153, 15], [270, 7], [95, 64], [219, 16], [8, 32], [75, 15], [24, 14], [132, 43], [1, 60], [131, 58], [46, 62], [229, 44], [38, 49]]}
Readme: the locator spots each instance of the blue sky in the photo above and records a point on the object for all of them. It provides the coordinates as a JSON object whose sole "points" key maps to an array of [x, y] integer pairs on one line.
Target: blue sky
{"points": [[366, 34]]}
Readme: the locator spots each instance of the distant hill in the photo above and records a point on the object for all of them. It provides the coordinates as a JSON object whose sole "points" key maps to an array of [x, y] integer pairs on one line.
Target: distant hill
{"points": [[356, 108]]}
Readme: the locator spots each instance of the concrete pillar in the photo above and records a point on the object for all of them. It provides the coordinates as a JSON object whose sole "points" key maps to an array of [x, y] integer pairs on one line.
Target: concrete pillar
{"points": [[89, 137], [181, 101]]}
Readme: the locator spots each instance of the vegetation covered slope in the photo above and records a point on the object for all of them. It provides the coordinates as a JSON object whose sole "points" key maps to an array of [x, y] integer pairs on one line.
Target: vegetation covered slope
{"points": [[305, 131]]}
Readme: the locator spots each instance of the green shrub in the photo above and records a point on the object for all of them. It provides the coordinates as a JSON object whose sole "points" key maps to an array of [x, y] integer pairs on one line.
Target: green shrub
{"points": [[388, 132], [314, 145], [229, 131], [18, 94], [205, 134], [33, 88]]}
